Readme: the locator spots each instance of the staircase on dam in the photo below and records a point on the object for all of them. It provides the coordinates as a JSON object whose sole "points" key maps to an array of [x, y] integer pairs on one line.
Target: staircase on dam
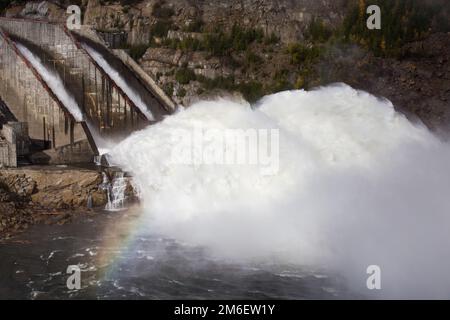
{"points": [[113, 94]]}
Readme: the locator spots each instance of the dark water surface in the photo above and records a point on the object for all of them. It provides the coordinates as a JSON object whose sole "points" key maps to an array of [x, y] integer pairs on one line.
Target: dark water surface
{"points": [[117, 263]]}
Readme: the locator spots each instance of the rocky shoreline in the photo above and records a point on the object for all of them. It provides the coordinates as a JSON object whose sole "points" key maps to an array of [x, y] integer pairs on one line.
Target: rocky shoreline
{"points": [[16, 217], [48, 195]]}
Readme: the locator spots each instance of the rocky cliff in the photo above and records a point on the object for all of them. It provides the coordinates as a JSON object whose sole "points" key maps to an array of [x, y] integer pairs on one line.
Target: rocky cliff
{"points": [[196, 49], [285, 18]]}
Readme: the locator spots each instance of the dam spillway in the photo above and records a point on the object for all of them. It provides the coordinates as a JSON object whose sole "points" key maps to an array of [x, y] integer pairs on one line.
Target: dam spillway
{"points": [[109, 110]]}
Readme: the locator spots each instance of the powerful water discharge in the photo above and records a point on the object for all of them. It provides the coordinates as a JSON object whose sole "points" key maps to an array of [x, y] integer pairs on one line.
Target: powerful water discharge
{"points": [[121, 82], [54, 81], [358, 185]]}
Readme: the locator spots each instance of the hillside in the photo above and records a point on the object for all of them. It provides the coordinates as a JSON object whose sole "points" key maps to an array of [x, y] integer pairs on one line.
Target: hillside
{"points": [[197, 49]]}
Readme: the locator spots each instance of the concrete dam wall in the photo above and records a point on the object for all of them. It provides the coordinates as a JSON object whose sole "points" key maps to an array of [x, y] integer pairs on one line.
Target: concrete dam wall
{"points": [[114, 99], [50, 125]]}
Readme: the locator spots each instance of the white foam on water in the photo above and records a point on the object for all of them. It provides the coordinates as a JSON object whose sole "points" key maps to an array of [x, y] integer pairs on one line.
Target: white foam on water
{"points": [[358, 185], [116, 194], [119, 80], [54, 81]]}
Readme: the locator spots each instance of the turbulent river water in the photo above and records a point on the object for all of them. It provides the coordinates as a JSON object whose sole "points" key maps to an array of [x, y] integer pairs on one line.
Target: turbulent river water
{"points": [[354, 184], [120, 260]]}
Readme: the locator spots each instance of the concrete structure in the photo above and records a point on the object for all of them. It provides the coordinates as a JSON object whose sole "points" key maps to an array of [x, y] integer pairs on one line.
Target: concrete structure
{"points": [[8, 156], [28, 97], [14, 143], [115, 40], [108, 111], [148, 83]]}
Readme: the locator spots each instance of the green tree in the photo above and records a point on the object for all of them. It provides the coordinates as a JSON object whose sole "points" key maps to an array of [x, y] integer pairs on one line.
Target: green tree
{"points": [[402, 21]]}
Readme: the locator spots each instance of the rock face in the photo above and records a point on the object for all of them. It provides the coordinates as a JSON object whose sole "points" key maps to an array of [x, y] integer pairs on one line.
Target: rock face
{"points": [[285, 18], [53, 11], [55, 195], [47, 195], [418, 84], [54, 188], [162, 64]]}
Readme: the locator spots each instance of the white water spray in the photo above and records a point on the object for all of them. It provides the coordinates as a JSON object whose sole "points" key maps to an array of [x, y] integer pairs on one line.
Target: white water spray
{"points": [[116, 192], [358, 185], [53, 80], [115, 75]]}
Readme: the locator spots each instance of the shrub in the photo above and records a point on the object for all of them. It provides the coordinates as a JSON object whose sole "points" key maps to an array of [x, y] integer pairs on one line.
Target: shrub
{"points": [[161, 28], [189, 44], [238, 39], [181, 93], [184, 75], [272, 39], [318, 31], [162, 12], [217, 44], [194, 26], [137, 51], [252, 58], [301, 54], [252, 90], [226, 83], [242, 38], [402, 21], [168, 89], [280, 81], [300, 82]]}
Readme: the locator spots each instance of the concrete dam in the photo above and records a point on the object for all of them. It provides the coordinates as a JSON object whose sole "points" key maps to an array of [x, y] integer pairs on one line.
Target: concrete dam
{"points": [[69, 92]]}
